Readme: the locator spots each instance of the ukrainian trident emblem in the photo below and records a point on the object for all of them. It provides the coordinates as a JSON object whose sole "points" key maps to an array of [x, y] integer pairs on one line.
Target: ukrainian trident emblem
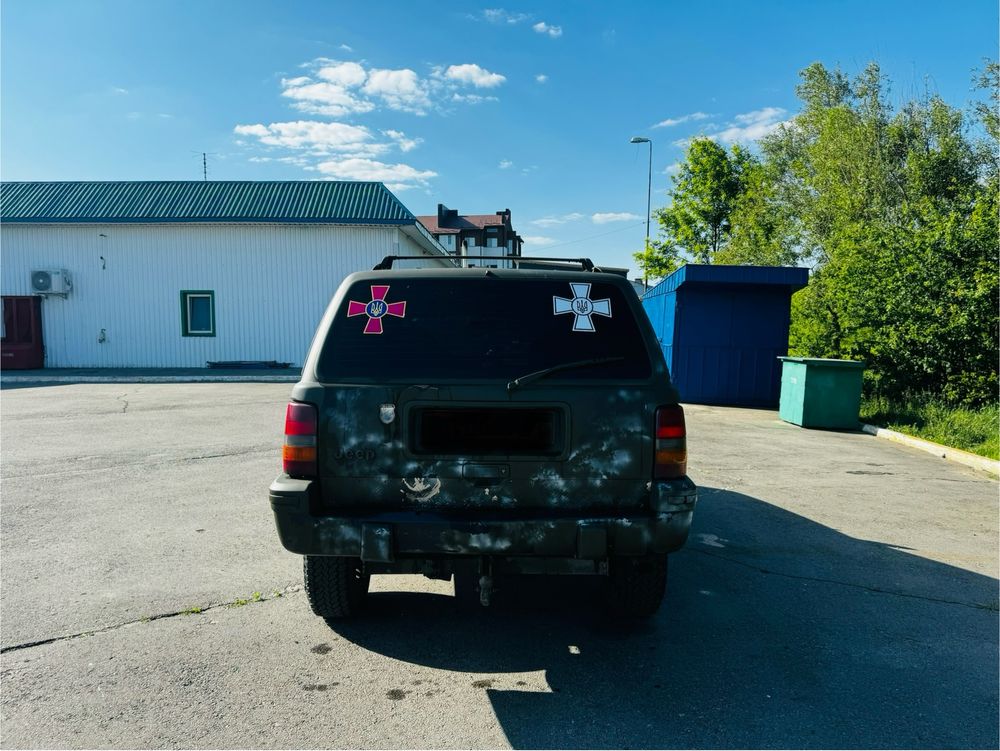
{"points": [[582, 307], [376, 309]]}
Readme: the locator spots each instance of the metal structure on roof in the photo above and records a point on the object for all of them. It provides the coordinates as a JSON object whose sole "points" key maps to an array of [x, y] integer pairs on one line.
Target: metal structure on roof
{"points": [[695, 273], [319, 201]]}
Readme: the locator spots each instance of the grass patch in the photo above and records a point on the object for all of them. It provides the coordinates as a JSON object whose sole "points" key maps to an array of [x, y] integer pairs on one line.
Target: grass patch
{"points": [[240, 602], [974, 430]]}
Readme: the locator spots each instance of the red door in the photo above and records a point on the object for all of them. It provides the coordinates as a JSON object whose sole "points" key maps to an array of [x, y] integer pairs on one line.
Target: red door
{"points": [[21, 346]]}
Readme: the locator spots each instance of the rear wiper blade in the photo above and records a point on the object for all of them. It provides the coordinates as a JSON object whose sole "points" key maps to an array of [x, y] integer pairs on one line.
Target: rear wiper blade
{"points": [[532, 377]]}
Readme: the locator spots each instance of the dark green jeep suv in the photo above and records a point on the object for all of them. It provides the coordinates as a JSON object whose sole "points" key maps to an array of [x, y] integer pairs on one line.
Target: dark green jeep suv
{"points": [[474, 422]]}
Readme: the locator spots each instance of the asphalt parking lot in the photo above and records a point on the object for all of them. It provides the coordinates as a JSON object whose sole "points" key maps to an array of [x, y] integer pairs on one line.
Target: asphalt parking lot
{"points": [[837, 591]]}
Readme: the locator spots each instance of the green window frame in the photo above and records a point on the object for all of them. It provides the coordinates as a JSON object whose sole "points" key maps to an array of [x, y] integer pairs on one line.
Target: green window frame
{"points": [[187, 297]]}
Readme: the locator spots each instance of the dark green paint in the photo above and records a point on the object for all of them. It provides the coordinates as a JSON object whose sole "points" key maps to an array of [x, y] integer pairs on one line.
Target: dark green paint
{"points": [[377, 499], [185, 324], [318, 201]]}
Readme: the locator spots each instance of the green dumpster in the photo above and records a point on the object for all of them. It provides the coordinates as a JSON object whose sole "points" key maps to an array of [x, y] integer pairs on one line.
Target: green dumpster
{"points": [[820, 393]]}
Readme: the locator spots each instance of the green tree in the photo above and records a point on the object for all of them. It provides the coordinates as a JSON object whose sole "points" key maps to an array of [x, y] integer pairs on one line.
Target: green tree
{"points": [[705, 192], [656, 261], [896, 210], [764, 229], [989, 112]]}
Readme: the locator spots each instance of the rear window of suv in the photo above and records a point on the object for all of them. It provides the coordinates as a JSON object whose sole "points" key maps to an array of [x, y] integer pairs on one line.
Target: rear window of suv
{"points": [[482, 328]]}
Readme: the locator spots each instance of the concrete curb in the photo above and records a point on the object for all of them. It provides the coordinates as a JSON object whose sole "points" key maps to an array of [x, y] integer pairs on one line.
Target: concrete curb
{"points": [[975, 461], [152, 379]]}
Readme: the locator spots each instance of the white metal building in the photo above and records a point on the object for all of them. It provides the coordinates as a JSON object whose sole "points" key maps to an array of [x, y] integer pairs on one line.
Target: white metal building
{"points": [[176, 274]]}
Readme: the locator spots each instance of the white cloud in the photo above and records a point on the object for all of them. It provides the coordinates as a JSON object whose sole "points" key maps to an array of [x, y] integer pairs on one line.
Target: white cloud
{"points": [[505, 164], [543, 28], [553, 221], [614, 216], [751, 126], [317, 137], [119, 90], [743, 128], [405, 144], [346, 48], [672, 121], [395, 176], [499, 15], [329, 99], [541, 78], [346, 151], [672, 169], [766, 114], [472, 74], [339, 151], [539, 240], [337, 89], [399, 89], [343, 74], [472, 98], [251, 130]]}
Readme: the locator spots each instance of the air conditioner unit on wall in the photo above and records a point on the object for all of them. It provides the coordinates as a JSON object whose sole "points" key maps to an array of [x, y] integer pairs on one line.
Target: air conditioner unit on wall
{"points": [[51, 282]]}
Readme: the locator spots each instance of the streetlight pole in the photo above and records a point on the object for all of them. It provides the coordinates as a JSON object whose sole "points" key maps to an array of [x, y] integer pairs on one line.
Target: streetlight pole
{"points": [[649, 194]]}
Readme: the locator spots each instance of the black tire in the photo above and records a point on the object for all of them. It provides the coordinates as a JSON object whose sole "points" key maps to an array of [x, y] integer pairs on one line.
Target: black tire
{"points": [[636, 585], [336, 587]]}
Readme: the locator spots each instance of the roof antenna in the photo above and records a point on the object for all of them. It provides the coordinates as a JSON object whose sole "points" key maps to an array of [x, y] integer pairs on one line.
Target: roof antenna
{"points": [[204, 163]]}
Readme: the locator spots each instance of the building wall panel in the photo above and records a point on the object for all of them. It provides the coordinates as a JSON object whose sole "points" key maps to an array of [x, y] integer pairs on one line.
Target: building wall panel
{"points": [[272, 284]]}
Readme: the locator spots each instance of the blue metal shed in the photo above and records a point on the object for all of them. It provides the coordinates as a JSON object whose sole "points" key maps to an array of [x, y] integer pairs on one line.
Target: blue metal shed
{"points": [[722, 329]]}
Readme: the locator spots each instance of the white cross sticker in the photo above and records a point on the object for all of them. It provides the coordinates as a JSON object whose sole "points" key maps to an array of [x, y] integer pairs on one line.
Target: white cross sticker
{"points": [[582, 307]]}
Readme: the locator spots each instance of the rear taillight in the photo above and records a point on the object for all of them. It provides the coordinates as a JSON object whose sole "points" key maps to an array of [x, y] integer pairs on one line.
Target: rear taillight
{"points": [[670, 460], [298, 455]]}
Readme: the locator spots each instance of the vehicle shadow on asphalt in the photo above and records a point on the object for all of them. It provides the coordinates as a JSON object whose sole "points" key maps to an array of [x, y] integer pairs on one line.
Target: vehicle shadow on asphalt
{"points": [[777, 632]]}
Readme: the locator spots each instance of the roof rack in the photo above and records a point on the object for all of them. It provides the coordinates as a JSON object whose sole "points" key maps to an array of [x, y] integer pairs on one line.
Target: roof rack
{"points": [[586, 264]]}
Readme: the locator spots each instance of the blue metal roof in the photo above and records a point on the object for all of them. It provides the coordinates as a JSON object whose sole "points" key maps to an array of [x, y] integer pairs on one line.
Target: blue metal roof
{"points": [[696, 273], [319, 201]]}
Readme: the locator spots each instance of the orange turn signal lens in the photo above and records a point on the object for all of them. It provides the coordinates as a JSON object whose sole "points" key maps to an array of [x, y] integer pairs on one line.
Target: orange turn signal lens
{"points": [[670, 463], [298, 453]]}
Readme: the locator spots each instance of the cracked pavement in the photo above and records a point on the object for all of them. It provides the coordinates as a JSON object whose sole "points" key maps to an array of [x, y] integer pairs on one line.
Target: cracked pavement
{"points": [[836, 591]]}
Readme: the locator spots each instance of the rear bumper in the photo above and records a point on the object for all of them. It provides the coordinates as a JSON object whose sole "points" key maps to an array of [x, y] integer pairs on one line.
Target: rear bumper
{"points": [[388, 536]]}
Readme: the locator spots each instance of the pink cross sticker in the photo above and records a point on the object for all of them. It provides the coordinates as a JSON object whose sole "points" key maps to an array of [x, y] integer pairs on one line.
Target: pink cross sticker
{"points": [[376, 308]]}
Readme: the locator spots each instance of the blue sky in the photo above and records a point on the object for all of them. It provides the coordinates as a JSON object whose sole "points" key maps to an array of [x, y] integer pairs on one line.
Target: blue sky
{"points": [[478, 106]]}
